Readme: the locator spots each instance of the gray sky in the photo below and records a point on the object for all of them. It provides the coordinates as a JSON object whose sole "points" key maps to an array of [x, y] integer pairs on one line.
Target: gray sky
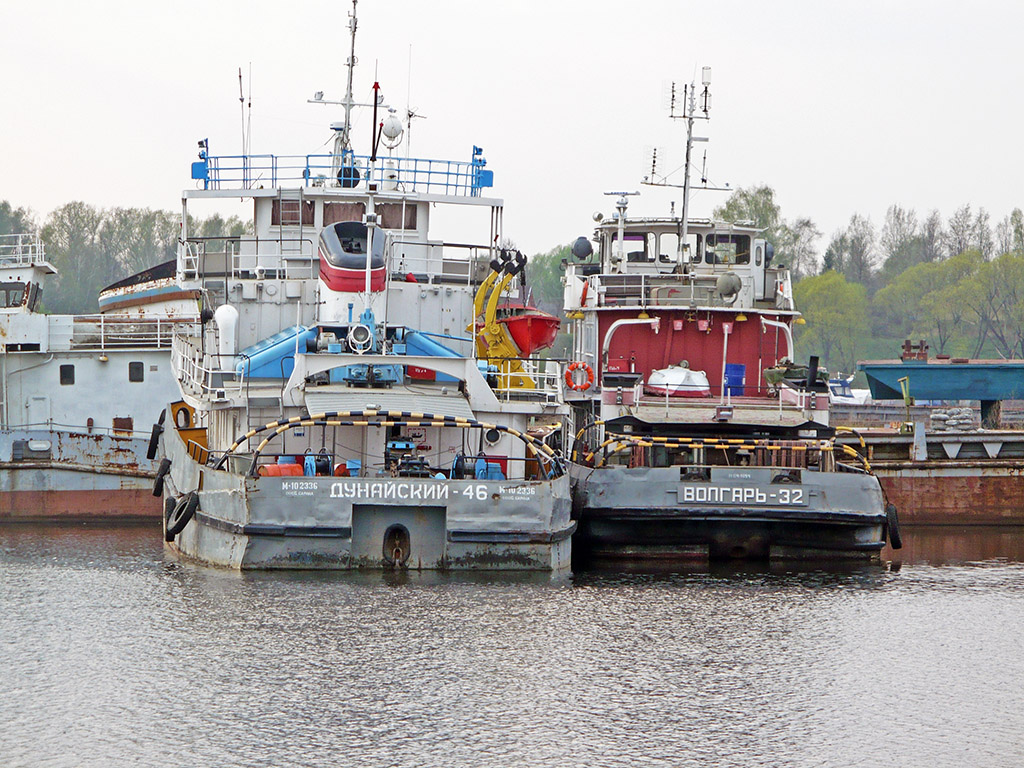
{"points": [[841, 107]]}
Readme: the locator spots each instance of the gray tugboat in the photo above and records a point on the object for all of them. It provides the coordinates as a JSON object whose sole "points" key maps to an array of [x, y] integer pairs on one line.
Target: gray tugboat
{"points": [[364, 395], [696, 436]]}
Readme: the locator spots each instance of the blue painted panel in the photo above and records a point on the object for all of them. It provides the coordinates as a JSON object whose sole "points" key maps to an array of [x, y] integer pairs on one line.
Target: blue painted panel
{"points": [[947, 381]]}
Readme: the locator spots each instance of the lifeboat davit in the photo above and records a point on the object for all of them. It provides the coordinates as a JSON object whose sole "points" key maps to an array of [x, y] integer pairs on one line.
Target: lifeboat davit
{"points": [[530, 328], [678, 381], [343, 258]]}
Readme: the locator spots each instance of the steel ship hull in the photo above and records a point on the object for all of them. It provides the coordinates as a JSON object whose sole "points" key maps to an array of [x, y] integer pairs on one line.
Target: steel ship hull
{"points": [[347, 523], [655, 513], [80, 477]]}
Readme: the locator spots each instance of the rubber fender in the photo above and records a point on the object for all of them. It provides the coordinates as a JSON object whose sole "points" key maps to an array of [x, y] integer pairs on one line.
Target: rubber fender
{"points": [[182, 514], [158, 484], [154, 441], [892, 527], [169, 504]]}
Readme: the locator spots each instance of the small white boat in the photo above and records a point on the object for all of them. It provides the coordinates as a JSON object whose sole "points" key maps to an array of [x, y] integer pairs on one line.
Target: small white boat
{"points": [[678, 381]]}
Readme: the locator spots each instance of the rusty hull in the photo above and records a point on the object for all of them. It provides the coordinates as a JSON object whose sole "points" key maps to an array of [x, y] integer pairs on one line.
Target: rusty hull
{"points": [[966, 492], [949, 478], [81, 477]]}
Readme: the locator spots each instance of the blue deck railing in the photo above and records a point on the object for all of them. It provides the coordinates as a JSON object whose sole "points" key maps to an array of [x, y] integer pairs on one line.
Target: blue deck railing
{"points": [[446, 177]]}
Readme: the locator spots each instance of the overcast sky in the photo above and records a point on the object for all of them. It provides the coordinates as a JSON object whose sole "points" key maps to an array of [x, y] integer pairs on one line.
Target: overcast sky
{"points": [[841, 107]]}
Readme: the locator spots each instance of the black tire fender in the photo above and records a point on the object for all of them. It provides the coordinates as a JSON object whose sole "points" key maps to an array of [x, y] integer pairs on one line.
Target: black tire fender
{"points": [[161, 472], [169, 504], [892, 527], [154, 441], [181, 514]]}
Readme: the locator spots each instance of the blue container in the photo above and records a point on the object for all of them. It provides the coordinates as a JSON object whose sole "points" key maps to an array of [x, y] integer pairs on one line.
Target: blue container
{"points": [[735, 378]]}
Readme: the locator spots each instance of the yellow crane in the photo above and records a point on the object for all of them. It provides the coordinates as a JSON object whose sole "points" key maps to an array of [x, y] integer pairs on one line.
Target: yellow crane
{"points": [[493, 341]]}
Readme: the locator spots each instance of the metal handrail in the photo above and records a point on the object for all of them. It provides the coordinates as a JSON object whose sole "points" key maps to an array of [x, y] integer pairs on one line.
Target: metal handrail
{"points": [[189, 364], [113, 332], [22, 249], [419, 175]]}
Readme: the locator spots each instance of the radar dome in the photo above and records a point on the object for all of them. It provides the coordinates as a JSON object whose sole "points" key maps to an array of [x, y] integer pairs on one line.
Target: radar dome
{"points": [[392, 129], [728, 286]]}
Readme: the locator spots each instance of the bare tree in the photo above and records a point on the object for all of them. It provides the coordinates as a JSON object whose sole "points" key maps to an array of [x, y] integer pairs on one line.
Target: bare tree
{"points": [[1004, 236], [900, 242], [960, 232], [982, 234], [898, 232], [798, 247], [932, 237], [861, 237], [1017, 227]]}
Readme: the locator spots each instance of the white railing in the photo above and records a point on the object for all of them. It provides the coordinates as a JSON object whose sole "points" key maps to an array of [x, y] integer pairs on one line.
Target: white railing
{"points": [[639, 289], [548, 382], [450, 261], [112, 332], [22, 249], [196, 371], [699, 289], [250, 257]]}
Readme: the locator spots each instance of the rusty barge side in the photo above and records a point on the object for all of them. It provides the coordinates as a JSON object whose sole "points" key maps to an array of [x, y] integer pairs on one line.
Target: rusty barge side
{"points": [[973, 478], [49, 475]]}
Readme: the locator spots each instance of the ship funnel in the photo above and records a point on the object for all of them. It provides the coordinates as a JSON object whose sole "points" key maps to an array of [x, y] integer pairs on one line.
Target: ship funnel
{"points": [[226, 318]]}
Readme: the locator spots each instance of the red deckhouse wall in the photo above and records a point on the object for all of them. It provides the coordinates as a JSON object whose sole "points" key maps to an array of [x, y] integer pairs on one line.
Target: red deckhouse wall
{"points": [[638, 348]]}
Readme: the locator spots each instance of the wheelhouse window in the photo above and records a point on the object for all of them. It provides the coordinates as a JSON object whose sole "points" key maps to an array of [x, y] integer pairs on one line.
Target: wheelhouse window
{"points": [[12, 294], [67, 375], [668, 248], [727, 249], [135, 371], [639, 247]]}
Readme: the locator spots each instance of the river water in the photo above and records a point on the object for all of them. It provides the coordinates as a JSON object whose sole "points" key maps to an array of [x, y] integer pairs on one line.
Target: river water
{"points": [[112, 653]]}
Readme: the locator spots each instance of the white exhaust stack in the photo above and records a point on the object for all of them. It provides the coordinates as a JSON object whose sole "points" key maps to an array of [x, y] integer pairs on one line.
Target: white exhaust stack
{"points": [[226, 318]]}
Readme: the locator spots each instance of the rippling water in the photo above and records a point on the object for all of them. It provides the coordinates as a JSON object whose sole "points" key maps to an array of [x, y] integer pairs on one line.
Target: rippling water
{"points": [[113, 654]]}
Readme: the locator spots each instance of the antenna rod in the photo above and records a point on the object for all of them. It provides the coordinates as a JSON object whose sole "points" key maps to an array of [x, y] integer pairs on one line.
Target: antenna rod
{"points": [[684, 245], [691, 108], [241, 103], [345, 139], [374, 131]]}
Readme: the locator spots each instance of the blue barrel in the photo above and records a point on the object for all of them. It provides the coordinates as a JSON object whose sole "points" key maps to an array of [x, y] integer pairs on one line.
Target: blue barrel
{"points": [[735, 378]]}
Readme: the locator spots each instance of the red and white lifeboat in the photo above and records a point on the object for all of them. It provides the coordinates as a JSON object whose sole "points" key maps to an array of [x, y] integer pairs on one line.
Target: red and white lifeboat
{"points": [[678, 381], [343, 258]]}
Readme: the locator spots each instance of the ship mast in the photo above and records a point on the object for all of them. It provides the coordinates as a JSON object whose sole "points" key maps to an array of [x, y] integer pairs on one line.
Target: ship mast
{"points": [[690, 114], [345, 143]]}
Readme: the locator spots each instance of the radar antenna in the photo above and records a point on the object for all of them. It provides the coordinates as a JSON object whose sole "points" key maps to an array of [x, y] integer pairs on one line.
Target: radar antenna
{"points": [[696, 105]]}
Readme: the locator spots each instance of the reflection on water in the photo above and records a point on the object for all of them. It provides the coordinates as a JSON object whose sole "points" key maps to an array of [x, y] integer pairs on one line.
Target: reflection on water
{"points": [[953, 545], [113, 653]]}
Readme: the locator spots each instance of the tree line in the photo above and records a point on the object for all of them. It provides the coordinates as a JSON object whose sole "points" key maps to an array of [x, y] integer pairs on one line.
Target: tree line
{"points": [[93, 247], [956, 282]]}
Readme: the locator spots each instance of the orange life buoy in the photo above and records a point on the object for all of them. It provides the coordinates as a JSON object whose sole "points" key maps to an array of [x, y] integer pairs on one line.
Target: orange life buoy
{"points": [[570, 378], [583, 296]]}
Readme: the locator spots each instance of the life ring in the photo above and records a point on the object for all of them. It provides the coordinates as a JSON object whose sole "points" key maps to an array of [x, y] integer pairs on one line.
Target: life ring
{"points": [[158, 484], [570, 378], [583, 295], [182, 513]]}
